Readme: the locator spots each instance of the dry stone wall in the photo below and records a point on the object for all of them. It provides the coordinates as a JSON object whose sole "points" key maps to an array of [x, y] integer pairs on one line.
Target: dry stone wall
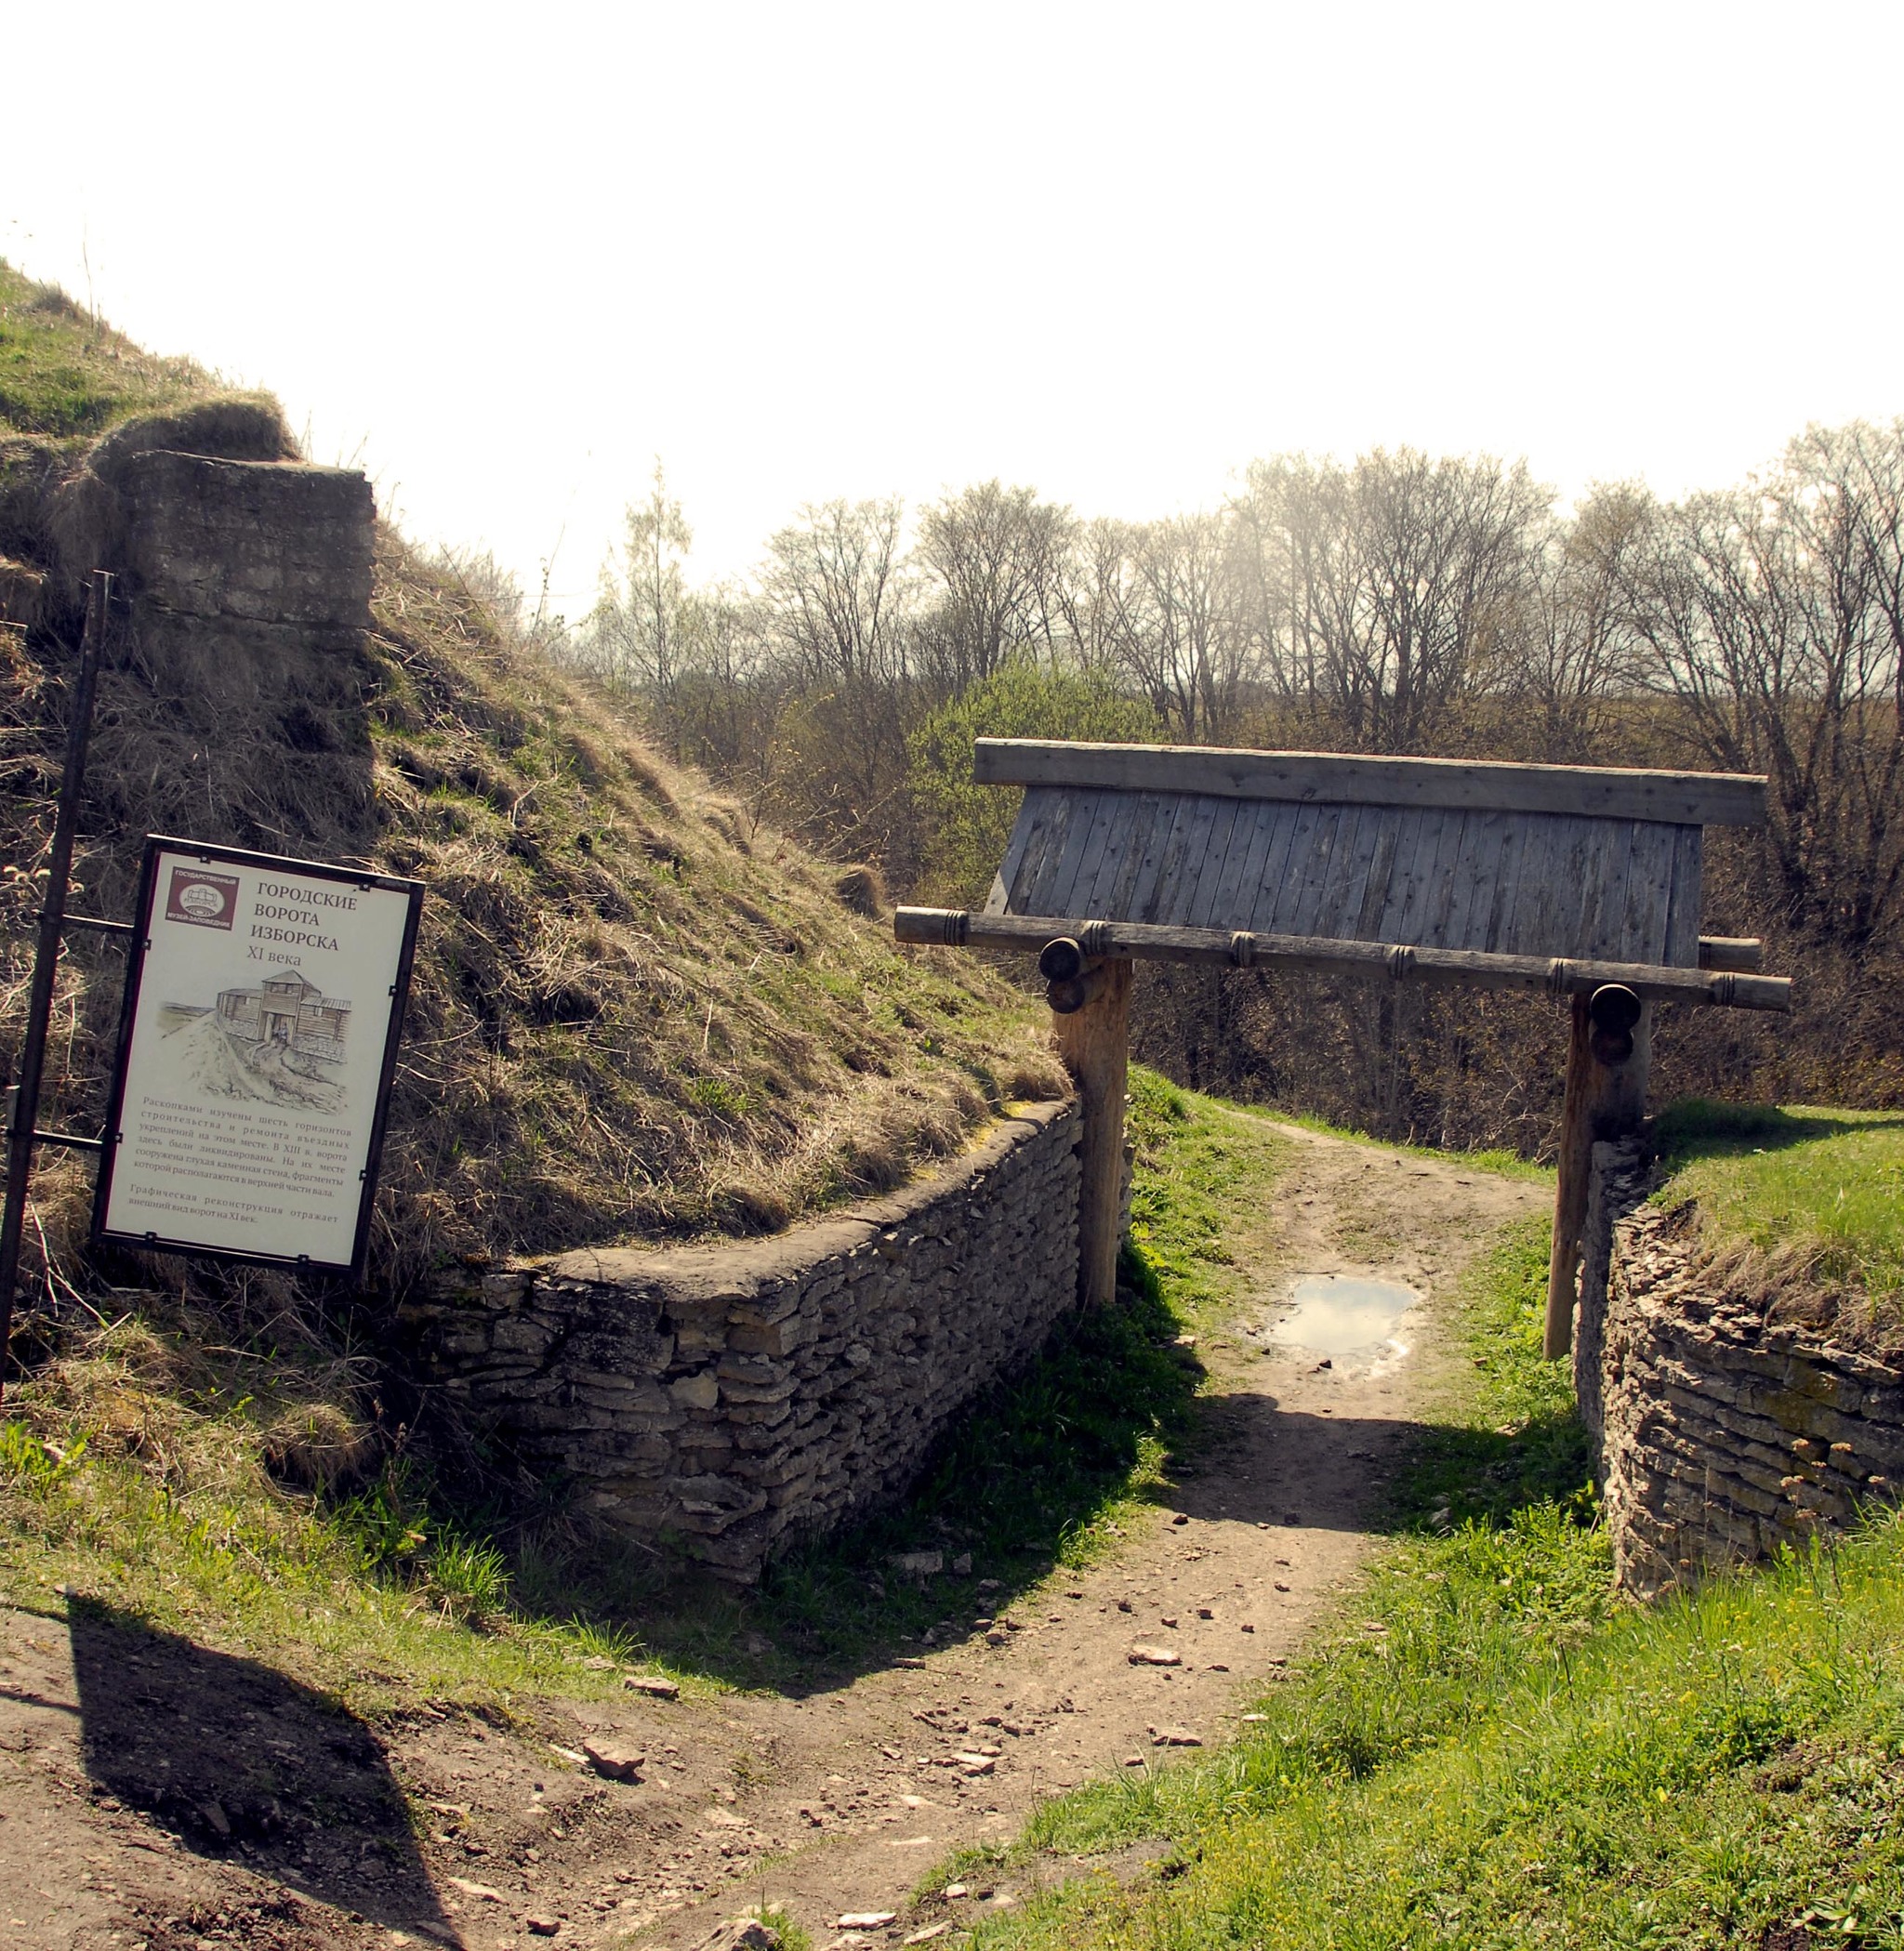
{"points": [[1722, 1436], [723, 1399]]}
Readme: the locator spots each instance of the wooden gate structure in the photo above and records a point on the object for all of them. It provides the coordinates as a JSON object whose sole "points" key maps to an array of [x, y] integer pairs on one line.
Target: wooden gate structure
{"points": [[1581, 881]]}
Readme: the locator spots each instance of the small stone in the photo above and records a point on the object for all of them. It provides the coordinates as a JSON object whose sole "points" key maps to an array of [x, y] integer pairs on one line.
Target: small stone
{"points": [[1245, 1626], [481, 1892], [595, 1663], [656, 1685], [1124, 1606], [953, 1892], [866, 1920], [542, 1927], [745, 1934], [1167, 1619], [619, 1760], [1206, 1611], [1179, 1519], [997, 1636], [1155, 1656], [216, 1817], [961, 1565], [1133, 1761], [1174, 1737], [917, 1564], [1280, 1586], [929, 1933]]}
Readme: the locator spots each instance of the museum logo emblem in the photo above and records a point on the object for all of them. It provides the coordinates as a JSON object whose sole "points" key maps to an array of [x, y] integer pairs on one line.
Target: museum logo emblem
{"points": [[204, 899]]}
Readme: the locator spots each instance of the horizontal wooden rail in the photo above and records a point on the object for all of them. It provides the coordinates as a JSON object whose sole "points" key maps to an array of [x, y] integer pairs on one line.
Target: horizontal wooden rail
{"points": [[1741, 954], [957, 928], [1339, 779]]}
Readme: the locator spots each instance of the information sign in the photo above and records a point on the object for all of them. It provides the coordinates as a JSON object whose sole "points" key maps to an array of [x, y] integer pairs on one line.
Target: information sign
{"points": [[263, 1003]]}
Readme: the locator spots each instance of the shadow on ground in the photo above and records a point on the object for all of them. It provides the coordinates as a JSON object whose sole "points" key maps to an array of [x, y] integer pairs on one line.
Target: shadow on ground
{"points": [[243, 1765]]}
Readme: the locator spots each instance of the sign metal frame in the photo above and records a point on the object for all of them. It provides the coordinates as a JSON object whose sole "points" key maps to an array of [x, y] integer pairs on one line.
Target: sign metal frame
{"points": [[211, 856]]}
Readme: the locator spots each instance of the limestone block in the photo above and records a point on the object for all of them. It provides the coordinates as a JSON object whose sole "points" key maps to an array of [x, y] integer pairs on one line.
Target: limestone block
{"points": [[250, 541], [699, 1391]]}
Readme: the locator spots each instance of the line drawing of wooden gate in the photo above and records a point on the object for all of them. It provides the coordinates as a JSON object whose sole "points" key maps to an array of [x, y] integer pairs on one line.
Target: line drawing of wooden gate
{"points": [[1583, 881]]}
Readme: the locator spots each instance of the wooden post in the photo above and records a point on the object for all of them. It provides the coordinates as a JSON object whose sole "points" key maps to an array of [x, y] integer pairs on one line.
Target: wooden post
{"points": [[1095, 1043], [1602, 1100]]}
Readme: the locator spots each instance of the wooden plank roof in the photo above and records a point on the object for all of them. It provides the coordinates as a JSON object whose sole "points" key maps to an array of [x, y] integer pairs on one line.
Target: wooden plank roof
{"points": [[1605, 792], [1364, 850]]}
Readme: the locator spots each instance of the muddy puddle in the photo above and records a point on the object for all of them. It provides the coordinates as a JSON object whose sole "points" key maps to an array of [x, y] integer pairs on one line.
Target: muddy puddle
{"points": [[1347, 1318]]}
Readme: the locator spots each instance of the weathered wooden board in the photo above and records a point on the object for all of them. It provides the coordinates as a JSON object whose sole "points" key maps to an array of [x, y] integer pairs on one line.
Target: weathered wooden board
{"points": [[1428, 876], [1332, 778]]}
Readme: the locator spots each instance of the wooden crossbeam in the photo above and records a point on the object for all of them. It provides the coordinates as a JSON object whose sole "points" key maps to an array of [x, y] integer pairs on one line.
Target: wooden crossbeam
{"points": [[959, 928], [1602, 792]]}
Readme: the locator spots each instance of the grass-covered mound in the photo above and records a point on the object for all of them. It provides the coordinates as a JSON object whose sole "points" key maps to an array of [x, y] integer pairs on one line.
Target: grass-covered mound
{"points": [[635, 1013], [1801, 1208], [218, 1493]]}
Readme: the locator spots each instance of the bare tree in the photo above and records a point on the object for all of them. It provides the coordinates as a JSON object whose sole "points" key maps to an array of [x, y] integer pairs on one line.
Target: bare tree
{"points": [[836, 592], [634, 635], [1581, 657], [997, 553], [1774, 617], [1176, 635], [1405, 585]]}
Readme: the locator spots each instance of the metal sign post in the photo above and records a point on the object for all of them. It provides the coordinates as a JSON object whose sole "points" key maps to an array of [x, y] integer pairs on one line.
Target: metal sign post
{"points": [[258, 1043], [21, 1132]]}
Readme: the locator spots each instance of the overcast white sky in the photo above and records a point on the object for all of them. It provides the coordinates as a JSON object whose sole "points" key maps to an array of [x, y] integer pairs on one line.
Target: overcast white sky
{"points": [[503, 256]]}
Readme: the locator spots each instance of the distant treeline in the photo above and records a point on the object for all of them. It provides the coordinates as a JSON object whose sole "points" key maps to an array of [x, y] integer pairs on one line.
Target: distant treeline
{"points": [[1393, 603]]}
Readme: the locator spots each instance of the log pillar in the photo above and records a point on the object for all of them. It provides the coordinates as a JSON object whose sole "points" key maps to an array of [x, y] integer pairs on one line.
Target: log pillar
{"points": [[1094, 1041], [1604, 1099]]}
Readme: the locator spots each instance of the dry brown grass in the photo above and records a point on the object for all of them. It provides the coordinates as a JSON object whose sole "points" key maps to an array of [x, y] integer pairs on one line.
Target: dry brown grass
{"points": [[634, 1015]]}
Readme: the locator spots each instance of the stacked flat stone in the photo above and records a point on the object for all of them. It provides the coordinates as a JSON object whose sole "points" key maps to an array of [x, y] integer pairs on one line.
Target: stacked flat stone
{"points": [[1722, 1436], [722, 1400]]}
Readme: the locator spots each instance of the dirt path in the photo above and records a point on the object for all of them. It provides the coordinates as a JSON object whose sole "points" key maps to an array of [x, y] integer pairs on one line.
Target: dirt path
{"points": [[835, 1803]]}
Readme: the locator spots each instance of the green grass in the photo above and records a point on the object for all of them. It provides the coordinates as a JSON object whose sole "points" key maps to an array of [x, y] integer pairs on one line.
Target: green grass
{"points": [[62, 373], [1201, 1167], [1693, 1776], [1496, 1159], [1827, 1184], [162, 1506], [376, 1601], [1487, 1751]]}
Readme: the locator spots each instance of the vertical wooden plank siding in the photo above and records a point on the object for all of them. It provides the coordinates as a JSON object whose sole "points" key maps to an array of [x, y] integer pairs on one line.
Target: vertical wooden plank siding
{"points": [[1031, 810], [1682, 918], [1040, 856], [1341, 900], [1391, 825], [1170, 861], [1448, 862], [1475, 876], [1406, 918], [1173, 902], [1649, 891], [1169, 808], [1276, 867], [1288, 880], [1328, 830], [1111, 897], [1200, 896], [1604, 899]]}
